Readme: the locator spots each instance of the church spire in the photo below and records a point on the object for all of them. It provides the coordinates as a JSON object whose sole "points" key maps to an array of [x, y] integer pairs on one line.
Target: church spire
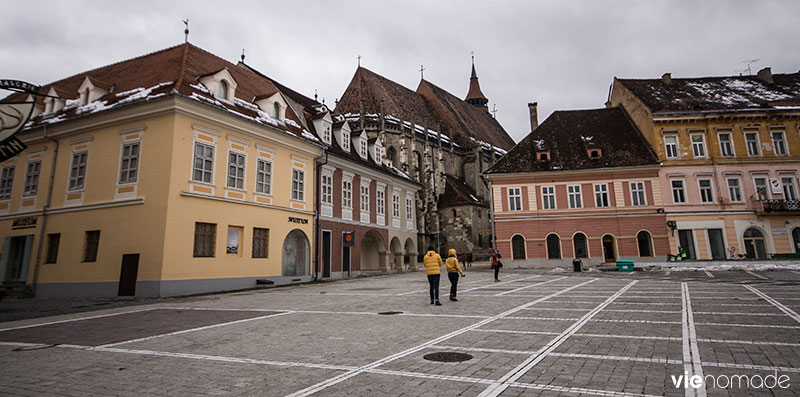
{"points": [[475, 97]]}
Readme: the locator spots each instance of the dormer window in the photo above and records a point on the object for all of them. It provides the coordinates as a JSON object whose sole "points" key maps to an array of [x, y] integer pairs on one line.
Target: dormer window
{"points": [[222, 92], [276, 111], [346, 141], [363, 151], [594, 154], [543, 156], [326, 135], [85, 96]]}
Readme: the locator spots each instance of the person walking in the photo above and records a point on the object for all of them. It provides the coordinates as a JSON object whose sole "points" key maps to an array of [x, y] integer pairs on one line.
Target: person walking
{"points": [[496, 264], [453, 270], [433, 266]]}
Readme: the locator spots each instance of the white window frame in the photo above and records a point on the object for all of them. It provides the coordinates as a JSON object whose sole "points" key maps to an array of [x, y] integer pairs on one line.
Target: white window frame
{"points": [[345, 141], [7, 181], [203, 170], [549, 198], [363, 196], [731, 147], [130, 158], [362, 147], [698, 148], [676, 146], [298, 184], [638, 195], [681, 191], [710, 190], [326, 194], [265, 185], [735, 191], [395, 204], [767, 188], [789, 189], [601, 198], [514, 198], [784, 147], [380, 202], [237, 180], [574, 195], [409, 207], [326, 134], [32, 174], [757, 147], [347, 193], [77, 183]]}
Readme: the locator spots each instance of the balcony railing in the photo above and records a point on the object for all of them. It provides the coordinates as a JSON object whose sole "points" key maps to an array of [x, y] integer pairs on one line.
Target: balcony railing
{"points": [[780, 205]]}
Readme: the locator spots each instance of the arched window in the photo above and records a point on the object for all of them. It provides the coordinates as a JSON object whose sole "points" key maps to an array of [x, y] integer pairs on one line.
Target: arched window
{"points": [[517, 247], [223, 90], [645, 243], [579, 244], [754, 244], [276, 113], [391, 154], [553, 247], [418, 165]]}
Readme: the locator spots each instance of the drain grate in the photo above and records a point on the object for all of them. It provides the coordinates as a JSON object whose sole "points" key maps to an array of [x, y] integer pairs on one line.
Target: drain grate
{"points": [[390, 313], [448, 357]]}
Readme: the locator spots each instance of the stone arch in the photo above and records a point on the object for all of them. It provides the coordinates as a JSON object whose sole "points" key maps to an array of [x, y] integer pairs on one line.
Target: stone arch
{"points": [[296, 254], [755, 243], [553, 245], [373, 254], [410, 257], [518, 248], [396, 257], [609, 243]]}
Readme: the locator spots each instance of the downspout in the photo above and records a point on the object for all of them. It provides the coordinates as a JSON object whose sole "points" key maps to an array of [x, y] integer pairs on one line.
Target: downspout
{"points": [[316, 211], [44, 213]]}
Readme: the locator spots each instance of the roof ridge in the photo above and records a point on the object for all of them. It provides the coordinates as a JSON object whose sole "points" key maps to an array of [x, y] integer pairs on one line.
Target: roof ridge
{"points": [[183, 65]]}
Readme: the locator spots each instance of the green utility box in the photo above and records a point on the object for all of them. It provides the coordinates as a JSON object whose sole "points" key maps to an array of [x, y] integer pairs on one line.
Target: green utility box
{"points": [[625, 265]]}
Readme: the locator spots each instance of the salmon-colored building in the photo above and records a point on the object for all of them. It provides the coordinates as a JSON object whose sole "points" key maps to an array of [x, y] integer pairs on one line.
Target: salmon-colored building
{"points": [[584, 184]]}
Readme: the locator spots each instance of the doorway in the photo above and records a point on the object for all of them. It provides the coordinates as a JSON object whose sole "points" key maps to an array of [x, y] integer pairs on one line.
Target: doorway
{"points": [[609, 250], [717, 244], [754, 244], [128, 274], [686, 239], [16, 257], [326, 253], [796, 239]]}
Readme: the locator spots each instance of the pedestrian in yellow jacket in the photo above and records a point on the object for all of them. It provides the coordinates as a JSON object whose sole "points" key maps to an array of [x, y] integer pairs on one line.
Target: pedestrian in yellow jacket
{"points": [[433, 265], [453, 270]]}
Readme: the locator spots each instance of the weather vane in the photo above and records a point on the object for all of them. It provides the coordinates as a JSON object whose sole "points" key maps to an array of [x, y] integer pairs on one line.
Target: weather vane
{"points": [[186, 31], [421, 72], [494, 110], [359, 61], [242, 55]]}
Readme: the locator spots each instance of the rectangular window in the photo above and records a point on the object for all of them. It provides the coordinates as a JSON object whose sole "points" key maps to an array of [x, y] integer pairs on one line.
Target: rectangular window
{"points": [[574, 193], [326, 134], [637, 193], [779, 143], [762, 191], [90, 246], [53, 240], [205, 239], [699, 145], [77, 173], [203, 163], [678, 195], [706, 191], [327, 189], [129, 163], [752, 143], [264, 177], [395, 205], [601, 195], [236, 162], [234, 235], [409, 208], [364, 198], [671, 146], [735, 189], [260, 243], [298, 181], [514, 199], [6, 182], [726, 144], [789, 193], [548, 197], [363, 147], [347, 194], [32, 178], [380, 201]]}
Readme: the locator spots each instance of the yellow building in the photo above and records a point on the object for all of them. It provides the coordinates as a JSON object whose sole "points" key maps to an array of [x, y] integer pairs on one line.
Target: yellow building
{"points": [[730, 154], [172, 173]]}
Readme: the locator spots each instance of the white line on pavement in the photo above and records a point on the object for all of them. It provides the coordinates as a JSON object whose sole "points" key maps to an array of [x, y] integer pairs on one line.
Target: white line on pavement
{"points": [[789, 312], [752, 325], [708, 273], [747, 342], [78, 319], [496, 388], [756, 275], [748, 366], [342, 377], [691, 352]]}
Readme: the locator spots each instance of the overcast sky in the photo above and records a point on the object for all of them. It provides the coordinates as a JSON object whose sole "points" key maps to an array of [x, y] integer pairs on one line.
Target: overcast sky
{"points": [[561, 54]]}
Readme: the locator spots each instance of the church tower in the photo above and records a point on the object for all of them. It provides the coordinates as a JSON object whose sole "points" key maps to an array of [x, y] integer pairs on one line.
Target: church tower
{"points": [[475, 97]]}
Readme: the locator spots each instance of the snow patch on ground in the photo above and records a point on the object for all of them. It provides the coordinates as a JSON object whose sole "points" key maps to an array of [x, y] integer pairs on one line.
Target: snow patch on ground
{"points": [[753, 267]]}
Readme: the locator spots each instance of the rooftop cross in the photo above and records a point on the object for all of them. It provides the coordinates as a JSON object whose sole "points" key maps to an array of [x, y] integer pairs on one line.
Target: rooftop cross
{"points": [[186, 31], [421, 72], [359, 61]]}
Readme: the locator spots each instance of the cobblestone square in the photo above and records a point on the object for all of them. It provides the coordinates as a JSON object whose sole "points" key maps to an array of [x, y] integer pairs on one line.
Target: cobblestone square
{"points": [[534, 333]]}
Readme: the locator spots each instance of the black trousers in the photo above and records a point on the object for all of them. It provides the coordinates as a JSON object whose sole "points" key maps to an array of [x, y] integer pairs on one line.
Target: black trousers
{"points": [[433, 280], [453, 277], [496, 272]]}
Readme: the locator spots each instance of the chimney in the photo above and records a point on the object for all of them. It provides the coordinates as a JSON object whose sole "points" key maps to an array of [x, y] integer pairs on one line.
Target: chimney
{"points": [[765, 75], [666, 78], [534, 115]]}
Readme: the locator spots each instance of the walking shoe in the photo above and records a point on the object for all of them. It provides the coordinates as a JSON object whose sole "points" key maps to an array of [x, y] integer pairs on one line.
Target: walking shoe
{"points": [[437, 303], [497, 280], [453, 298], [431, 301]]}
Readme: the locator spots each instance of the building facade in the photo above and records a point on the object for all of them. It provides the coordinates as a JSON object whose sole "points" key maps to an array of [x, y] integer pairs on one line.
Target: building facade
{"points": [[730, 154], [434, 137], [583, 185], [172, 173]]}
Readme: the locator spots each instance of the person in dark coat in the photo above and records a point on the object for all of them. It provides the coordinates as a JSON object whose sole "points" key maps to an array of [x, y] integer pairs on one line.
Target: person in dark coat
{"points": [[496, 264]]}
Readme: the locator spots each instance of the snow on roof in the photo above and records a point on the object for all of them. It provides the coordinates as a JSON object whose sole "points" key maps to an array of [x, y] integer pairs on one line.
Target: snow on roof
{"points": [[539, 143]]}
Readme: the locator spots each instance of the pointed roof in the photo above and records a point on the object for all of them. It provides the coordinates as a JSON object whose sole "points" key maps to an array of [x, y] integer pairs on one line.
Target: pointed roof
{"points": [[474, 86], [171, 71], [429, 106]]}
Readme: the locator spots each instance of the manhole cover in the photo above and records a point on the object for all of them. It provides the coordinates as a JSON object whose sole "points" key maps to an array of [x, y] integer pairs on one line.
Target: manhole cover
{"points": [[448, 357], [390, 313]]}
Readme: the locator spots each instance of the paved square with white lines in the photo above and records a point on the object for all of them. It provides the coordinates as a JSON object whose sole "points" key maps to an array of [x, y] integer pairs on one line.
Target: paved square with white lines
{"points": [[534, 333]]}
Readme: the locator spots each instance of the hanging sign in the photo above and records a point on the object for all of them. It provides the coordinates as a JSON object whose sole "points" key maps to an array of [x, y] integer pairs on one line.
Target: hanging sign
{"points": [[13, 116], [777, 188], [348, 239]]}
